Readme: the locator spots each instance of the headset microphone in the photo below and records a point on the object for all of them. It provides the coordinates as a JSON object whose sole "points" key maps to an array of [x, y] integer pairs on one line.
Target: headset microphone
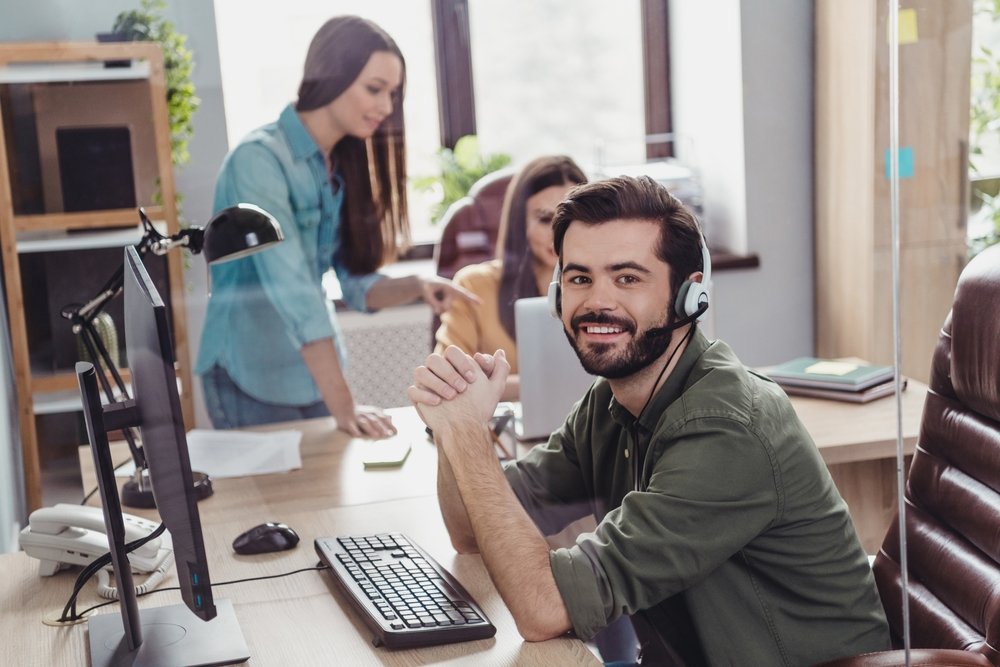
{"points": [[663, 331]]}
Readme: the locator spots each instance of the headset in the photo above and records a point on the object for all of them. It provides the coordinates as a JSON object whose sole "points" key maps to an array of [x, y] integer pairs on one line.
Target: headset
{"points": [[690, 304]]}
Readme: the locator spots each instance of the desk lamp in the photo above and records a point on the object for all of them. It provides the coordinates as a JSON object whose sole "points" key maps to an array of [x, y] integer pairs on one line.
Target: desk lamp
{"points": [[232, 233]]}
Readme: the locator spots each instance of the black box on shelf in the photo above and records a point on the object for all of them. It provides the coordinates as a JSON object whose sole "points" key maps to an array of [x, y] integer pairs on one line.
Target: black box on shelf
{"points": [[95, 168]]}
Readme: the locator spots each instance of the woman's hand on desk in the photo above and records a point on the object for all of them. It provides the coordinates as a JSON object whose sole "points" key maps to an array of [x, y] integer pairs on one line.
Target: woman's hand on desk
{"points": [[363, 420]]}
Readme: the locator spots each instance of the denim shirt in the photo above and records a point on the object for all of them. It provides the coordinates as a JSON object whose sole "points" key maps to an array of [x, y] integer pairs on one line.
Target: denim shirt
{"points": [[263, 308]]}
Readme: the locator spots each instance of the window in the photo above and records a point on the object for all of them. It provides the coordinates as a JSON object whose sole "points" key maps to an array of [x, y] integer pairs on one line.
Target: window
{"points": [[552, 80]]}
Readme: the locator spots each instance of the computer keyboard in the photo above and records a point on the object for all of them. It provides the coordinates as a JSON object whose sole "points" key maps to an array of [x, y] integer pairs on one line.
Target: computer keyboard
{"points": [[402, 594]]}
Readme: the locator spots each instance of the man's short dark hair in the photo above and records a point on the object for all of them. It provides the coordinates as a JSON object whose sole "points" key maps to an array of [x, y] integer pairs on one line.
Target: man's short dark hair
{"points": [[642, 198]]}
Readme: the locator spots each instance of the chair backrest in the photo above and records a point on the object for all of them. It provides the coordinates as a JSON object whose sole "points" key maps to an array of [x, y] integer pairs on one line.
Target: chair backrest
{"points": [[953, 484], [470, 224]]}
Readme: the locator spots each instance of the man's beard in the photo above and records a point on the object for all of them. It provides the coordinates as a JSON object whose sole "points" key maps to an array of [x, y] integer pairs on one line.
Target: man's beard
{"points": [[601, 359]]}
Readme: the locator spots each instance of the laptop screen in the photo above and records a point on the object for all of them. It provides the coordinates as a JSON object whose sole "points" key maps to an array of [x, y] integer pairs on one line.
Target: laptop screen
{"points": [[552, 379]]}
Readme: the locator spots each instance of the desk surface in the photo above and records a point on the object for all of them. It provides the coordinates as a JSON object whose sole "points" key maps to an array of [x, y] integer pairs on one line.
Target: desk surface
{"points": [[849, 432], [301, 619]]}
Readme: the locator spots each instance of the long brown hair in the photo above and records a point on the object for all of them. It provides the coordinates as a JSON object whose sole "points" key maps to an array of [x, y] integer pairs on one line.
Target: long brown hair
{"points": [[376, 224], [517, 278]]}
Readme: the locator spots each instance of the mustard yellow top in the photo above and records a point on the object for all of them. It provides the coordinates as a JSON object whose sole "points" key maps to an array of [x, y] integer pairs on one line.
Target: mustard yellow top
{"points": [[477, 328]]}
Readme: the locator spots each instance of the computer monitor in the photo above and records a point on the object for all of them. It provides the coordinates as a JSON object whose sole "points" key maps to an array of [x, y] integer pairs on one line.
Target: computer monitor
{"points": [[202, 631]]}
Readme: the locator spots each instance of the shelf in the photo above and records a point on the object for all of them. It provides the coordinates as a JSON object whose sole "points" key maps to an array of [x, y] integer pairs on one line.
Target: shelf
{"points": [[65, 400], [66, 84], [54, 241], [55, 402], [69, 72], [93, 220]]}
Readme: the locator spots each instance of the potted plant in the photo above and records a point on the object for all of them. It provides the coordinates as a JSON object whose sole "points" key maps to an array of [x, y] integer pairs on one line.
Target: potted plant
{"points": [[147, 23], [460, 167]]}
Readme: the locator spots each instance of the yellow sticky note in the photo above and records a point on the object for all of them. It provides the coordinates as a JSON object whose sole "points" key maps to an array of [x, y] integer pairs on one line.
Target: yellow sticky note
{"points": [[831, 368], [907, 26]]}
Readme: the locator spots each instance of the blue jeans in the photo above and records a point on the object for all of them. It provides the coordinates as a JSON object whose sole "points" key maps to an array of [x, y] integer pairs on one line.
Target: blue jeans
{"points": [[230, 407], [617, 643]]}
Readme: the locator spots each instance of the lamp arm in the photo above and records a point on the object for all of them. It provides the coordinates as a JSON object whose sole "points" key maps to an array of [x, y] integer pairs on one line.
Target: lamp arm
{"points": [[190, 237], [82, 320], [88, 311]]}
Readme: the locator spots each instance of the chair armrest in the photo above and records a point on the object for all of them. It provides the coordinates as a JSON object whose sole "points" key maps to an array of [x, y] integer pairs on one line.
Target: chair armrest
{"points": [[921, 657]]}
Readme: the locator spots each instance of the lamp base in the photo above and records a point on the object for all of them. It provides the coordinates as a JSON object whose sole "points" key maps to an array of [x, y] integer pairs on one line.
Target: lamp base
{"points": [[134, 496]]}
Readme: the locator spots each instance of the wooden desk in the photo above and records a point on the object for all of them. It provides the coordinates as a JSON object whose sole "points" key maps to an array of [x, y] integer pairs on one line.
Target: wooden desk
{"points": [[301, 619]]}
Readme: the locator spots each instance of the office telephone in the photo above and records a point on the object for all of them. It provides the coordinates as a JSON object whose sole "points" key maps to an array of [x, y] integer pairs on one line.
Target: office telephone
{"points": [[66, 535]]}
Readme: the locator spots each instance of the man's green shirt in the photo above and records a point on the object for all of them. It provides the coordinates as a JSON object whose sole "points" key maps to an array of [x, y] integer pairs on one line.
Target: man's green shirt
{"points": [[734, 515]]}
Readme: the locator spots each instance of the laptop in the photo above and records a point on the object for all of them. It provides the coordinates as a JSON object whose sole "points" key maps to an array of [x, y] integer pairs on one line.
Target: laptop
{"points": [[552, 379]]}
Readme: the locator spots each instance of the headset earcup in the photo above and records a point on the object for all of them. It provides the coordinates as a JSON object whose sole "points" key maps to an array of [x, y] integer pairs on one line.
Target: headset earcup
{"points": [[554, 297], [696, 295]]}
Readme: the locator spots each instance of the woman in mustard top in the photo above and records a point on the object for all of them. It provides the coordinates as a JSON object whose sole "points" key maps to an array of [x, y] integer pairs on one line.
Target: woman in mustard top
{"points": [[523, 267]]}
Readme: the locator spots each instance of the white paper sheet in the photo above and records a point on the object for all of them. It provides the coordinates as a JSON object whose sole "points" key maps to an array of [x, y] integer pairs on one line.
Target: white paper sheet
{"points": [[238, 453]]}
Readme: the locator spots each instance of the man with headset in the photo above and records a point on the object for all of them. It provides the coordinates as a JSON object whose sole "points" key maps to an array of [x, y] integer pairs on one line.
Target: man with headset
{"points": [[720, 530]]}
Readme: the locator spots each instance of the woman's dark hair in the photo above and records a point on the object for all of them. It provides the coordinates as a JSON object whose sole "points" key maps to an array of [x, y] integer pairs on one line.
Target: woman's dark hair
{"points": [[517, 278], [642, 198], [376, 225]]}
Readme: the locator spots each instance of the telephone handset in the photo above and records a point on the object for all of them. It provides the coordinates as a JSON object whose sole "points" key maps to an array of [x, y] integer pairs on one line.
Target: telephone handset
{"points": [[67, 534]]}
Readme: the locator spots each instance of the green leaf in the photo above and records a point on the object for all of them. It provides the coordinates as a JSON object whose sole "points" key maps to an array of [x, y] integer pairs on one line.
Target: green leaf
{"points": [[467, 152]]}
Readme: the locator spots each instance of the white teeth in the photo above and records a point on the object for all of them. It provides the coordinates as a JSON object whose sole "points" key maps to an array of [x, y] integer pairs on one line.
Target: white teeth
{"points": [[604, 330]]}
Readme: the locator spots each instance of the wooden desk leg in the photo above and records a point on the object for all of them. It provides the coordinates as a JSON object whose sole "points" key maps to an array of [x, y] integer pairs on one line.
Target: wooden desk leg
{"points": [[869, 489]]}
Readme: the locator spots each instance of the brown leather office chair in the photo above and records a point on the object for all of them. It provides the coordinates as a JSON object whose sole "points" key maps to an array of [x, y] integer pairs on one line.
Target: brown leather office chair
{"points": [[471, 223], [953, 494], [470, 229]]}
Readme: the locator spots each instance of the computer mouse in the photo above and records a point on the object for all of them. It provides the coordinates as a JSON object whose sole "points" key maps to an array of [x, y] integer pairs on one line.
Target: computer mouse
{"points": [[265, 538]]}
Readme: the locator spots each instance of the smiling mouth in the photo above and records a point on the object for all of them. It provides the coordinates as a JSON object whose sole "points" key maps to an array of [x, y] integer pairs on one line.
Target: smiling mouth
{"points": [[602, 329]]}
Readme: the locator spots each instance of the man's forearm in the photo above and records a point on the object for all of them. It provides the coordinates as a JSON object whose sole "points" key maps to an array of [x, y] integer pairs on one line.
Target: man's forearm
{"points": [[456, 518], [514, 551]]}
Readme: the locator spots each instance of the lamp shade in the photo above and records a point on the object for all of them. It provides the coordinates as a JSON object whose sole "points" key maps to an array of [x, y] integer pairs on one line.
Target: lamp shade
{"points": [[238, 231]]}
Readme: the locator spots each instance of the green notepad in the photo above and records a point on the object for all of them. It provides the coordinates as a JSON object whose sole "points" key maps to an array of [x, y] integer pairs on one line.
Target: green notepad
{"points": [[829, 374]]}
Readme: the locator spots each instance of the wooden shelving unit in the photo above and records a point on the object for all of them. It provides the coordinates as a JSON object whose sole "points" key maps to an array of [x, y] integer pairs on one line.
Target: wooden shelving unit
{"points": [[853, 234], [30, 74]]}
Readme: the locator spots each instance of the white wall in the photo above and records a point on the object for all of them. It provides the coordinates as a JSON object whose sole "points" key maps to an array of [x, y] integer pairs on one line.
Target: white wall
{"points": [[743, 91], [11, 482]]}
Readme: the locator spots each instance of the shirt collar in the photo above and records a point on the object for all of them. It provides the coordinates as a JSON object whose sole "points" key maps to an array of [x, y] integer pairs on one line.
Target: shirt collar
{"points": [[671, 389], [301, 143]]}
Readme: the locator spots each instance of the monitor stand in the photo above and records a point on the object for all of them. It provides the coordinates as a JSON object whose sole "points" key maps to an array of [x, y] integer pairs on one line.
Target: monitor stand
{"points": [[171, 636]]}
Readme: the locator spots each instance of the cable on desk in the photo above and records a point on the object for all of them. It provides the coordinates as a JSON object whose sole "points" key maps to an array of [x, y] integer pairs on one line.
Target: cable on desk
{"points": [[319, 567], [69, 610]]}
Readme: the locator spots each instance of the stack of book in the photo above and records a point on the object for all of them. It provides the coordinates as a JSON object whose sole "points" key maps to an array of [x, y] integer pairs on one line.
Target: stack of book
{"points": [[850, 381]]}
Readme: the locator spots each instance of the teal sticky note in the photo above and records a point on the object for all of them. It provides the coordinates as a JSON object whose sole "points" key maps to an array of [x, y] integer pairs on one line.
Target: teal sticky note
{"points": [[905, 163]]}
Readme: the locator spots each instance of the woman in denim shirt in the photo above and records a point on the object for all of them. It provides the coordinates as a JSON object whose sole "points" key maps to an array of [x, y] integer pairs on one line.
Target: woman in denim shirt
{"points": [[332, 171]]}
